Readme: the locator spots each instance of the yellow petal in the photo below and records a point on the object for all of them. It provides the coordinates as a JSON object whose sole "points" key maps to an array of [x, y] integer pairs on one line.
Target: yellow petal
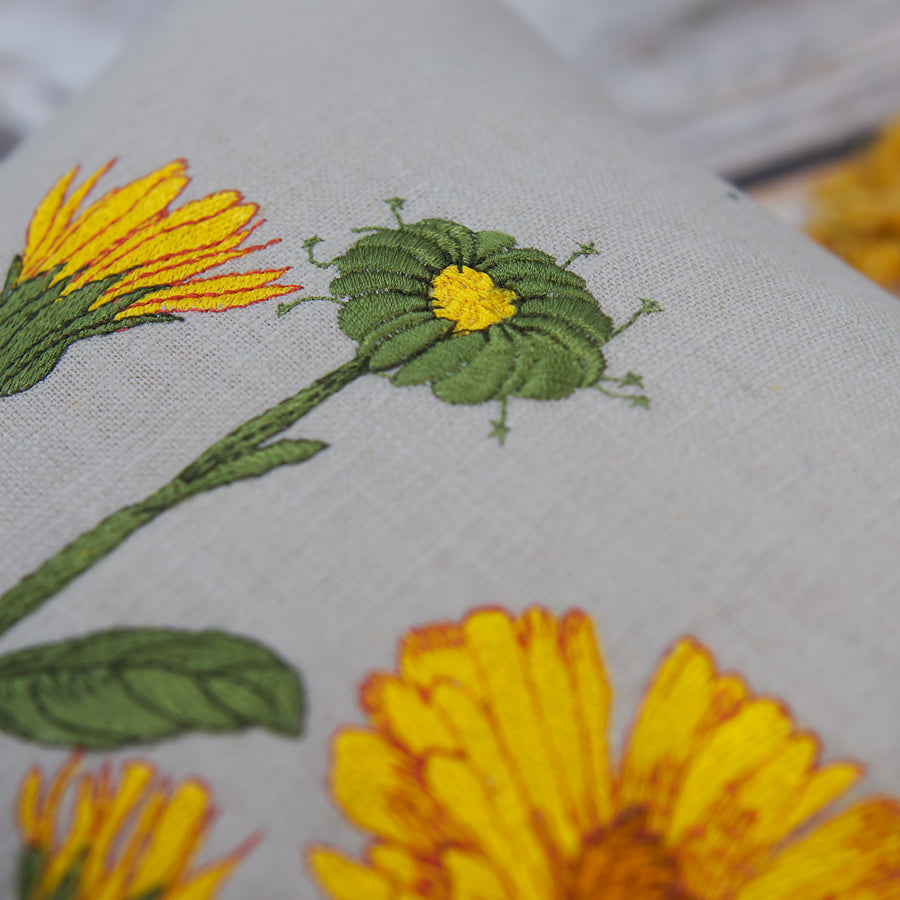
{"points": [[61, 220], [221, 292], [437, 653], [176, 838], [176, 269], [473, 879], [136, 777], [50, 810], [592, 695], [108, 228], [346, 879], [28, 808], [741, 829], [855, 856], [456, 787], [377, 787], [737, 747], [76, 841], [400, 710], [45, 219], [684, 701], [164, 239], [508, 688], [489, 763]]}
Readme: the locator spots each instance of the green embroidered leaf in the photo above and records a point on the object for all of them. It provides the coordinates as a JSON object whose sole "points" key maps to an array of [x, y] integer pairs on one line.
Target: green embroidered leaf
{"points": [[255, 463], [421, 246], [362, 258], [136, 685], [12, 276], [488, 242], [586, 316], [455, 239], [393, 327], [406, 344], [30, 868], [580, 344], [512, 271], [361, 315], [441, 360], [555, 373], [481, 379], [356, 284], [540, 289]]}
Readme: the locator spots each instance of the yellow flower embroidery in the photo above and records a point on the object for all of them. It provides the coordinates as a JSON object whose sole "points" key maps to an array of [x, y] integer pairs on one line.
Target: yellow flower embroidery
{"points": [[125, 260], [856, 209], [131, 839], [131, 231], [485, 774]]}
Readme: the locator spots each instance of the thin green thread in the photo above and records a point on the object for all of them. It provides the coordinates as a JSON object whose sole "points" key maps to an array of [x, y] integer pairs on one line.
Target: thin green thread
{"points": [[499, 428]]}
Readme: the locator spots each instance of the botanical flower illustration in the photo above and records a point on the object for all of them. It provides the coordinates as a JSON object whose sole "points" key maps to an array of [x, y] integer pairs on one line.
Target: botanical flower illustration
{"points": [[486, 772], [468, 313], [856, 209], [92, 836], [126, 259], [472, 314]]}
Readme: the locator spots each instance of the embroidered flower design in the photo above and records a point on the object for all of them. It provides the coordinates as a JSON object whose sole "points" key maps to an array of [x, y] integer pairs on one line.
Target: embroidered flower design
{"points": [[471, 314], [485, 773], [856, 209], [135, 838], [126, 259]]}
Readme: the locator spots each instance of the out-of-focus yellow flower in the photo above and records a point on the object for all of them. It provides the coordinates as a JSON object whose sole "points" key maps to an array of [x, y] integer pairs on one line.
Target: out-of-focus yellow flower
{"points": [[131, 231], [856, 209], [485, 774], [134, 838]]}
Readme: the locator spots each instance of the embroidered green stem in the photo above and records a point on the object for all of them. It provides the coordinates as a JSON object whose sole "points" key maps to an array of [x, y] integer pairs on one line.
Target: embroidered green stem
{"points": [[243, 453]]}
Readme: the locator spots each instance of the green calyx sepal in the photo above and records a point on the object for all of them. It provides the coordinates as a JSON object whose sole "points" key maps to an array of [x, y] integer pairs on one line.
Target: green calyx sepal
{"points": [[38, 324]]}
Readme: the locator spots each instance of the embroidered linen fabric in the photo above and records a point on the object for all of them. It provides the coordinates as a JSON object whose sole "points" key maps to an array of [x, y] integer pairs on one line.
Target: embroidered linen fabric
{"points": [[753, 505]]}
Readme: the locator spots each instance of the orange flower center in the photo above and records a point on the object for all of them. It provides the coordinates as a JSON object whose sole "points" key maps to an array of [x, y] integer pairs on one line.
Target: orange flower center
{"points": [[625, 862]]}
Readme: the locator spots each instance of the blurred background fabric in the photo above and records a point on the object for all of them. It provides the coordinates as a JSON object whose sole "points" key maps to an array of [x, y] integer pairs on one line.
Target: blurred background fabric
{"points": [[759, 90]]}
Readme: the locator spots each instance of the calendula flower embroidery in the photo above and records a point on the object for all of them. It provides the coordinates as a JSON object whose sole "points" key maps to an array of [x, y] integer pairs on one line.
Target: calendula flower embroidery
{"points": [[468, 313], [856, 209], [91, 836], [485, 773], [126, 259], [472, 314]]}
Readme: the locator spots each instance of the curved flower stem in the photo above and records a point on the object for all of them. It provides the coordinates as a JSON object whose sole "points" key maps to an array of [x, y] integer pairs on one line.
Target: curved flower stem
{"points": [[242, 453]]}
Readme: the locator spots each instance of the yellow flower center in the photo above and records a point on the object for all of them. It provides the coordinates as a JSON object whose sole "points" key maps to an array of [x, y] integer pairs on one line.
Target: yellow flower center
{"points": [[470, 298], [625, 862]]}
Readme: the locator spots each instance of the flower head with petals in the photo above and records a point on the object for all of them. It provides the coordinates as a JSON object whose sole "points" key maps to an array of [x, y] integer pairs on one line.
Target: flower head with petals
{"points": [[128, 258], [134, 837], [485, 772]]}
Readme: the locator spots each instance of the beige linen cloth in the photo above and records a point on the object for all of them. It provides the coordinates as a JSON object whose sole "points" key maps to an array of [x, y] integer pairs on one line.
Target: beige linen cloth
{"points": [[755, 504]]}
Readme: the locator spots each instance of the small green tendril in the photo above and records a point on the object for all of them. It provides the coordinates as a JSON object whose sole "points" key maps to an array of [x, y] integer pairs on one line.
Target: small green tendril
{"points": [[583, 250], [396, 204], [647, 307], [499, 428], [309, 245], [285, 308]]}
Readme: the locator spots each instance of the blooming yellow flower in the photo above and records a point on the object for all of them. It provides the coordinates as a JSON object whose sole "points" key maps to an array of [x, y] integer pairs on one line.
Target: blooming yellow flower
{"points": [[485, 774], [131, 232], [131, 839], [856, 209]]}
